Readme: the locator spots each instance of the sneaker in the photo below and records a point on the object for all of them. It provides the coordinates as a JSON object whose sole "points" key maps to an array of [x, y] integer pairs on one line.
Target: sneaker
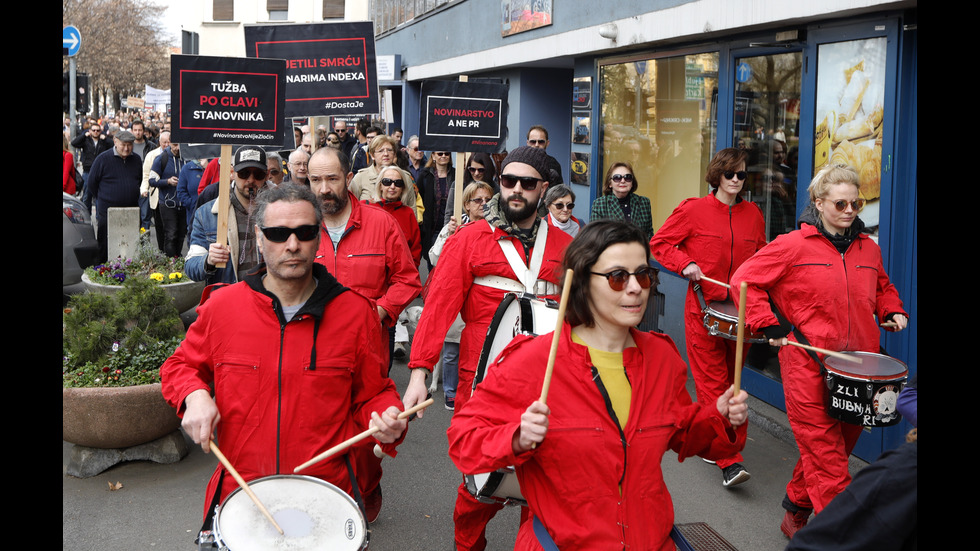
{"points": [[372, 504], [734, 474], [792, 522], [399, 351], [451, 404]]}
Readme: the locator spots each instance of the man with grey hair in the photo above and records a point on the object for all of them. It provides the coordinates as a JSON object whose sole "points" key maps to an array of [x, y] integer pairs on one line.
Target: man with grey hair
{"points": [[291, 319], [114, 181]]}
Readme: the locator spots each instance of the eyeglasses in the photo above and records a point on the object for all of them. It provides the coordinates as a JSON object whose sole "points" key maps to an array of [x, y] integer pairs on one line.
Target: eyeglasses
{"points": [[857, 205], [563, 206], [474, 170], [618, 279], [391, 182], [299, 164], [528, 183], [731, 174], [383, 151], [621, 178], [256, 173], [340, 130], [441, 154], [477, 200], [280, 234]]}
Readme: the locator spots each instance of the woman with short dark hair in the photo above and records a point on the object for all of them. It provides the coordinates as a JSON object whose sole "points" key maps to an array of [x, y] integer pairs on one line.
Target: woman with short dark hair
{"points": [[588, 461]]}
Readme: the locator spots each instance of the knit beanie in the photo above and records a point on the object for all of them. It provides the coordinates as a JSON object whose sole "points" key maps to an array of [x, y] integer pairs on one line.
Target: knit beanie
{"points": [[536, 158]]}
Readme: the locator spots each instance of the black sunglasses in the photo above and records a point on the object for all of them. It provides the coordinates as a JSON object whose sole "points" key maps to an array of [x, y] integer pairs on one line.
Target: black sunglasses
{"points": [[563, 206], [390, 182], [857, 205], [529, 183], [279, 234], [258, 173], [618, 279], [731, 174], [474, 170], [621, 177]]}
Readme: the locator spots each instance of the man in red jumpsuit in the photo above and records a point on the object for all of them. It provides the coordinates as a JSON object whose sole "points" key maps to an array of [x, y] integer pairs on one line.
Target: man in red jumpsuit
{"points": [[471, 279], [292, 356], [366, 251]]}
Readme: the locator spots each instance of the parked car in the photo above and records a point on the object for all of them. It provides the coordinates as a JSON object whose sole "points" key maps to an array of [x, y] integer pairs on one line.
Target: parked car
{"points": [[79, 246]]}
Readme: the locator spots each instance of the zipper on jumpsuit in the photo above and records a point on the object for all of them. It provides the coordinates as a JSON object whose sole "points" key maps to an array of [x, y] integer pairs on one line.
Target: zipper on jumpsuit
{"points": [[622, 438]]}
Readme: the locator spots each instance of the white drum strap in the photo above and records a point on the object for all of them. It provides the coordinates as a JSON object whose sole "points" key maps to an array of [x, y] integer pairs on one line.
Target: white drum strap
{"points": [[526, 276]]}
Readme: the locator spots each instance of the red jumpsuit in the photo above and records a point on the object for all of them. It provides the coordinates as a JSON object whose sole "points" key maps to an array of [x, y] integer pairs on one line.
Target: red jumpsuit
{"points": [[471, 252], [572, 481], [408, 223], [718, 238], [373, 259], [833, 300], [276, 412]]}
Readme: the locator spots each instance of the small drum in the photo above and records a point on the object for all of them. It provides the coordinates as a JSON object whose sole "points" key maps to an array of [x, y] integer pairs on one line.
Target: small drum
{"points": [[865, 393], [721, 320], [518, 314], [312, 513]]}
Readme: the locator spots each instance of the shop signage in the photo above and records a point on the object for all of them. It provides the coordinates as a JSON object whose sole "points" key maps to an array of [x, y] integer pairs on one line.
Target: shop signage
{"points": [[330, 67], [463, 116], [227, 100]]}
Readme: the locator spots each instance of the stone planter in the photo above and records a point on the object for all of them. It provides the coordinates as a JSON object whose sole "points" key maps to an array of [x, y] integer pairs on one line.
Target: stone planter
{"points": [[185, 295], [116, 417]]}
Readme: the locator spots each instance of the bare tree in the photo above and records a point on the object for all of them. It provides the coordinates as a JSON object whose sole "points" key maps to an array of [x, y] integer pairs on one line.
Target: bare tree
{"points": [[124, 46]]}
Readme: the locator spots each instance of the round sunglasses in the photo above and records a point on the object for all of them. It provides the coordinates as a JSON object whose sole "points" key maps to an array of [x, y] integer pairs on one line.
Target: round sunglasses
{"points": [[618, 279]]}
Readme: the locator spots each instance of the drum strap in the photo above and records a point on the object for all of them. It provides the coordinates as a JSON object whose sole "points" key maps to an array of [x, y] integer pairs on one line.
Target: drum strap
{"points": [[700, 295], [525, 276], [544, 538]]}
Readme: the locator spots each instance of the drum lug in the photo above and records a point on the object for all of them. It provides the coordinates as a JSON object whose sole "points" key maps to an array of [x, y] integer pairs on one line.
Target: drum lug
{"points": [[829, 381], [205, 541], [870, 391]]}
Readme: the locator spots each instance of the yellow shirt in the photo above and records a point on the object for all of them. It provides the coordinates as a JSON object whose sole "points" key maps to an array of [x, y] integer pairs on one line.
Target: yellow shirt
{"points": [[613, 375]]}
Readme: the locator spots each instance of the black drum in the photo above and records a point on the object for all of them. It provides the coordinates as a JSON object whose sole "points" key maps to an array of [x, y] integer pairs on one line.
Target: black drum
{"points": [[518, 314], [865, 393]]}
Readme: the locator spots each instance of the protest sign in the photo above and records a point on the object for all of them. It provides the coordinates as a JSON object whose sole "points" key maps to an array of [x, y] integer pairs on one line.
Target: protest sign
{"points": [[463, 116], [227, 100], [330, 67]]}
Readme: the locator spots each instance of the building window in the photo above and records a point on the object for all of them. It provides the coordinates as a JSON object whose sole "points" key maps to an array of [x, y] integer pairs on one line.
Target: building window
{"points": [[333, 9], [659, 115], [278, 9], [223, 10]]}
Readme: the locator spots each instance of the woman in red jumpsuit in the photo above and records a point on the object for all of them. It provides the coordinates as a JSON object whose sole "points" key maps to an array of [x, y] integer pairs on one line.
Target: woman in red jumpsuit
{"points": [[589, 460], [712, 236], [828, 280]]}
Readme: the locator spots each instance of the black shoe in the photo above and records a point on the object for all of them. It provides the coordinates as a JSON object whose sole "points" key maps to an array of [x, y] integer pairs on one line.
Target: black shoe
{"points": [[451, 404], [734, 474]]}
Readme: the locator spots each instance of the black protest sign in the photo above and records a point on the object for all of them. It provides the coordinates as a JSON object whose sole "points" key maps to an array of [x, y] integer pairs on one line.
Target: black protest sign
{"points": [[330, 67], [463, 116], [227, 100]]}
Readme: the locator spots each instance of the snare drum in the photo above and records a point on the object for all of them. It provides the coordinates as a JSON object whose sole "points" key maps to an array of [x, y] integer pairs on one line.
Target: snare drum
{"points": [[721, 320], [518, 314], [313, 514], [865, 393]]}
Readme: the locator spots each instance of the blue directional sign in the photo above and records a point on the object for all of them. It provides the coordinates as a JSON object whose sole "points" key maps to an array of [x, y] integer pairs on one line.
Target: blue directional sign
{"points": [[743, 73], [72, 40]]}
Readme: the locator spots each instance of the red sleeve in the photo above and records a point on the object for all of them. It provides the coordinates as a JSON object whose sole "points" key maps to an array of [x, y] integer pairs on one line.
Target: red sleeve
{"points": [[664, 245], [68, 180], [762, 272], [404, 283], [210, 175]]}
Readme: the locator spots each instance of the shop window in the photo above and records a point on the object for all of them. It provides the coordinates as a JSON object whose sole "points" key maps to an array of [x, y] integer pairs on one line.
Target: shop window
{"points": [[849, 117], [766, 124], [659, 115]]}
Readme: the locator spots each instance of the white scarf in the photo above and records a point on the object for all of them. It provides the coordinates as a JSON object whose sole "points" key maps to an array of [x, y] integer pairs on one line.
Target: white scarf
{"points": [[571, 227]]}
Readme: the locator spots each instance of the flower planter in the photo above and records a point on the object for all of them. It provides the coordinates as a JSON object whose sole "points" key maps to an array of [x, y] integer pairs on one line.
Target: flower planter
{"points": [[116, 417], [185, 295]]}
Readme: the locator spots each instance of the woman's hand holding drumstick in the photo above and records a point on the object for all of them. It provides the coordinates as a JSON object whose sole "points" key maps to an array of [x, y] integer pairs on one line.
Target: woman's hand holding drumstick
{"points": [[534, 421], [694, 273]]}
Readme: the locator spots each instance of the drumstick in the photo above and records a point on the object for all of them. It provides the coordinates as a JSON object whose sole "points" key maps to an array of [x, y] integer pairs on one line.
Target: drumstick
{"points": [[244, 485], [888, 324], [740, 335], [716, 282], [355, 439], [566, 288], [847, 357]]}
